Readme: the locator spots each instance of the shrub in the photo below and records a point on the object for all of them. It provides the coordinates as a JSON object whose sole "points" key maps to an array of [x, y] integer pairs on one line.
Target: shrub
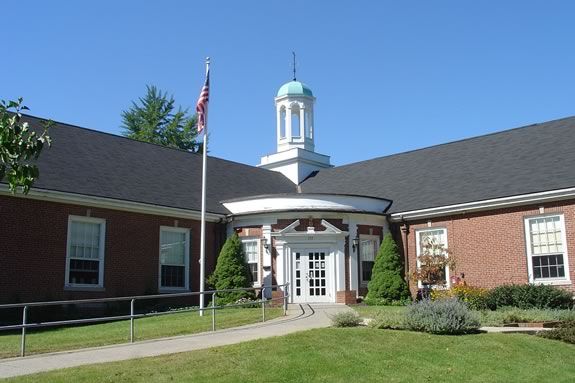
{"points": [[386, 302], [475, 298], [566, 332], [445, 316], [346, 319], [529, 296], [387, 283], [231, 273], [515, 315], [389, 319]]}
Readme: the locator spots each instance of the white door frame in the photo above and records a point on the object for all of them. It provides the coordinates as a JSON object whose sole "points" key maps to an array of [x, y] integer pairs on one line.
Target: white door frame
{"points": [[331, 240], [304, 296]]}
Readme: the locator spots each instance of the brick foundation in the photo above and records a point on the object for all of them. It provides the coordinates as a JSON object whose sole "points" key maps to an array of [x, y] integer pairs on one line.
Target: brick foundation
{"points": [[347, 297]]}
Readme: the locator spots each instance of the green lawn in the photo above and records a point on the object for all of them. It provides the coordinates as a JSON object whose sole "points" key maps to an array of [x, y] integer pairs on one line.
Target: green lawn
{"points": [[346, 355], [41, 341]]}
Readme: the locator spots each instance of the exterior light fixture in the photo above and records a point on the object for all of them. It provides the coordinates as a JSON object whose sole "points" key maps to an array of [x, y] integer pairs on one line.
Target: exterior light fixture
{"points": [[265, 243], [355, 243]]}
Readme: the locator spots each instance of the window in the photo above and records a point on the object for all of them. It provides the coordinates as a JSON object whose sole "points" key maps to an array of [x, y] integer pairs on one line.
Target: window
{"points": [[368, 246], [174, 258], [546, 250], [252, 254], [432, 242], [85, 253]]}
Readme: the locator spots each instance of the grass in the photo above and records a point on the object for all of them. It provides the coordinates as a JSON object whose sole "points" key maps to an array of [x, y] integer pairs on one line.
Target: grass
{"points": [[344, 355], [69, 338]]}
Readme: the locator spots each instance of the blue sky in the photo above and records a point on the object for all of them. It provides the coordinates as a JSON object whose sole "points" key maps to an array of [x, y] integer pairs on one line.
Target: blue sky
{"points": [[389, 76]]}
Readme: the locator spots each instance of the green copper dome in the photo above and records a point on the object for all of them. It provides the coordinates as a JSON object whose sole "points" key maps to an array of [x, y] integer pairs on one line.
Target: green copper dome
{"points": [[294, 88]]}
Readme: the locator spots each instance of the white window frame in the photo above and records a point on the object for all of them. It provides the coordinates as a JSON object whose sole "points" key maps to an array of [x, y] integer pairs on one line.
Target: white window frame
{"points": [[366, 237], [186, 259], [418, 233], [566, 280], [257, 283], [101, 252]]}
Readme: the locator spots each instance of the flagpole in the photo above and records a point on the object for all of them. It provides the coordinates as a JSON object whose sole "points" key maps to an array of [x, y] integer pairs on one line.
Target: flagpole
{"points": [[203, 223]]}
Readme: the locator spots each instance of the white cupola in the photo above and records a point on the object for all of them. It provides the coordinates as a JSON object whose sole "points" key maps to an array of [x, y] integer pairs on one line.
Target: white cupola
{"points": [[295, 156]]}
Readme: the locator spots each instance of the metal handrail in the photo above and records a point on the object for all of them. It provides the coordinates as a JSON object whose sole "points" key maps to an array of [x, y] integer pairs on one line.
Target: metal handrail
{"points": [[133, 316]]}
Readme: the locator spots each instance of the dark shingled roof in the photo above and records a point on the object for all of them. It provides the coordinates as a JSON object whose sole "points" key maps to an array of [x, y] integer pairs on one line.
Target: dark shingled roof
{"points": [[524, 160], [99, 164]]}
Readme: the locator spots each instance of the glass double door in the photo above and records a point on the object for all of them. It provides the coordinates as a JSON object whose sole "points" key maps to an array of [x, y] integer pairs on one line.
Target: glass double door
{"points": [[311, 276]]}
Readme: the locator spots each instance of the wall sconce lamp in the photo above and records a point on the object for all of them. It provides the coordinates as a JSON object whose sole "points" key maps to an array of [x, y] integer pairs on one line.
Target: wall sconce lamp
{"points": [[265, 243], [355, 243]]}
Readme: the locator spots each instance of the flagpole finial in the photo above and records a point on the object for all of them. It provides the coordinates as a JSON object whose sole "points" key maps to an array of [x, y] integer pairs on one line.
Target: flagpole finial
{"points": [[207, 59]]}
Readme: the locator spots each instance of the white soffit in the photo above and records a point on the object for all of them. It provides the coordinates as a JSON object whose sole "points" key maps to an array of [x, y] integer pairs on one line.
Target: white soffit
{"points": [[310, 202]]}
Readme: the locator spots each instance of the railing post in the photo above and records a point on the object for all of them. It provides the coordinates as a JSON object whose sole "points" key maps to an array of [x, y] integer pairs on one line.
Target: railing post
{"points": [[213, 311], [263, 304], [285, 302], [24, 321], [132, 320]]}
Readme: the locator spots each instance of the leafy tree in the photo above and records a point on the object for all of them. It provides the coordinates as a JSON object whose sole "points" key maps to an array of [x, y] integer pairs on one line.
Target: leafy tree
{"points": [[433, 261], [19, 146], [154, 119], [231, 272], [387, 284]]}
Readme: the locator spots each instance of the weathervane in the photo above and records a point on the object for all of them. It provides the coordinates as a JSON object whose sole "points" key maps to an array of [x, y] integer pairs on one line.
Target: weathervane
{"points": [[293, 53]]}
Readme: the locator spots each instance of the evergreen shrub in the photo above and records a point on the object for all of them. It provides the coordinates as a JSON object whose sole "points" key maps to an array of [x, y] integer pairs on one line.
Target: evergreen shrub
{"points": [[565, 332], [529, 296], [387, 285], [231, 272], [444, 316]]}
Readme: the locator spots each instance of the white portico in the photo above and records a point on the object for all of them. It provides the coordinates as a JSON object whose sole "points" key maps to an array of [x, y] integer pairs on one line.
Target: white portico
{"points": [[308, 237], [295, 157]]}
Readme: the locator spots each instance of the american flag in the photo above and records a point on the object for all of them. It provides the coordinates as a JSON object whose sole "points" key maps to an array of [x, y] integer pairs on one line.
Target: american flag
{"points": [[202, 105]]}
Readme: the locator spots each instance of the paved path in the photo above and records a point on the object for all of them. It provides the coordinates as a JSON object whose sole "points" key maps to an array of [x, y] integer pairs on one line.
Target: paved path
{"points": [[299, 318]]}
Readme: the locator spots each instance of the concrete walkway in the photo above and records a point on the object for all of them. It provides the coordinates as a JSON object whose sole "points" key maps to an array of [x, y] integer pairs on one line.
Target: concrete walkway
{"points": [[299, 318]]}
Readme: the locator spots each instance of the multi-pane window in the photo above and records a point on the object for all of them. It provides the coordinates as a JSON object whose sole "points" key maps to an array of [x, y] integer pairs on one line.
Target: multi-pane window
{"points": [[252, 254], [174, 257], [85, 256], [368, 247], [432, 243], [546, 248]]}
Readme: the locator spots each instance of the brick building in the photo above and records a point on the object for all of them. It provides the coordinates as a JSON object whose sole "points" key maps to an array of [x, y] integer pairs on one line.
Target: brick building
{"points": [[110, 216]]}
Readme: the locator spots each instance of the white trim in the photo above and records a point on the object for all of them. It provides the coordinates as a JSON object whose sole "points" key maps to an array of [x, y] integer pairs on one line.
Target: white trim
{"points": [[307, 202], [110, 203], [257, 240], [418, 252], [186, 287], [518, 200], [559, 281], [367, 237], [101, 254]]}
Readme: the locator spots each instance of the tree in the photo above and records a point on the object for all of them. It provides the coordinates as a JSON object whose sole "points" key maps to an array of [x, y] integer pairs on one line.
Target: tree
{"points": [[231, 272], [432, 263], [155, 120], [387, 283], [19, 146]]}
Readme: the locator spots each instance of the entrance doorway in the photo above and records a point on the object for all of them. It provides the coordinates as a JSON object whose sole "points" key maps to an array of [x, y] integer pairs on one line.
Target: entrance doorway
{"points": [[311, 277]]}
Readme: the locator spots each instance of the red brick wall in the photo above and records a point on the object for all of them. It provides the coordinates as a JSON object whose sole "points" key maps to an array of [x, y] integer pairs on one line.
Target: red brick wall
{"points": [[33, 237], [489, 247]]}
